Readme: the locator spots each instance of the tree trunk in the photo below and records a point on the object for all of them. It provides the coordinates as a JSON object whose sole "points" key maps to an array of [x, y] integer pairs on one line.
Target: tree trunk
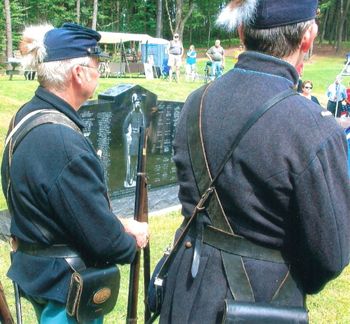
{"points": [[94, 15], [159, 26], [180, 21], [324, 25], [333, 30], [78, 11], [343, 13], [209, 34], [9, 45], [118, 17], [169, 17]]}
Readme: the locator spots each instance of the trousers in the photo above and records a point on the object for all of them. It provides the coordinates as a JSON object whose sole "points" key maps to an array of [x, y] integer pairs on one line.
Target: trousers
{"points": [[51, 312]]}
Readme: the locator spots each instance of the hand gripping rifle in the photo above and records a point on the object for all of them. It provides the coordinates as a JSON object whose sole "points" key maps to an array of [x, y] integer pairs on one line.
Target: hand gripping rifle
{"points": [[5, 314], [141, 215]]}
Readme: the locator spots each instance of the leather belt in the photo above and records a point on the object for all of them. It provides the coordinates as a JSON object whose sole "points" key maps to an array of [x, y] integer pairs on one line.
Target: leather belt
{"points": [[48, 251], [238, 245], [60, 251]]}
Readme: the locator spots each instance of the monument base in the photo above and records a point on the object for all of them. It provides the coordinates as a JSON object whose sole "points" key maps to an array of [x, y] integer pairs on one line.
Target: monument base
{"points": [[158, 199]]}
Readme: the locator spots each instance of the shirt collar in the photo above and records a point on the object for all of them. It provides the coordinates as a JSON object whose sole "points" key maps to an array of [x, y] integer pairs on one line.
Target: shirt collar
{"points": [[60, 105], [268, 64]]}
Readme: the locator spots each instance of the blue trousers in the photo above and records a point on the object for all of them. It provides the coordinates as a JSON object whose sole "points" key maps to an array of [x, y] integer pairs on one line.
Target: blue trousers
{"points": [[50, 312], [216, 69]]}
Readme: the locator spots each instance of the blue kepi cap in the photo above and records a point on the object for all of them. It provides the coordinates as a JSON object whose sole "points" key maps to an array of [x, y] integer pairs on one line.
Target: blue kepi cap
{"points": [[275, 13], [71, 41]]}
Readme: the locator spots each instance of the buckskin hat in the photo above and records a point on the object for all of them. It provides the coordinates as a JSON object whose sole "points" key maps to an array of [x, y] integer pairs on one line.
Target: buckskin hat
{"points": [[71, 41], [264, 14], [275, 13]]}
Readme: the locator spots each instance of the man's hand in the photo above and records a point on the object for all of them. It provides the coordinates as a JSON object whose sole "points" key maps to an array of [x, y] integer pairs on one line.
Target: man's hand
{"points": [[138, 230]]}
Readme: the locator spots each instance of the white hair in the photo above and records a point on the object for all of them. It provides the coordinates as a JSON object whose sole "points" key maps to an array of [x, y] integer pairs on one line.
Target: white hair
{"points": [[236, 13], [53, 74]]}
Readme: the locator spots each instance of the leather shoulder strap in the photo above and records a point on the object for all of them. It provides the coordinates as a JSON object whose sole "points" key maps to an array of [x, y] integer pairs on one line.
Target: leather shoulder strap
{"points": [[204, 178], [236, 274], [200, 167], [19, 132]]}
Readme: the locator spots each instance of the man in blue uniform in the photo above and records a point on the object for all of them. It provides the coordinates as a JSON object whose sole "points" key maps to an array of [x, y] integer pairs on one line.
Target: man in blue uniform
{"points": [[286, 187], [56, 190]]}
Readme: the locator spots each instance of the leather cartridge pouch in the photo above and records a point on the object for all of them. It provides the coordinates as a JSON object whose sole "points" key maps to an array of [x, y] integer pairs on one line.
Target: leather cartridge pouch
{"points": [[93, 292], [156, 287], [244, 309], [261, 313]]}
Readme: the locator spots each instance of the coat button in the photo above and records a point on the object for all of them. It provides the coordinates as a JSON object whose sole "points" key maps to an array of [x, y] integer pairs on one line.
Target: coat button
{"points": [[188, 244]]}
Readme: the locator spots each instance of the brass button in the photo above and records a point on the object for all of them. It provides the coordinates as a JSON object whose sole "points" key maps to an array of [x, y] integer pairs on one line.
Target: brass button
{"points": [[188, 244]]}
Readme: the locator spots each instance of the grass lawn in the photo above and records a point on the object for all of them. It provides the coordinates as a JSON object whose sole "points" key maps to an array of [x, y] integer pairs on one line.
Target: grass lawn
{"points": [[332, 305]]}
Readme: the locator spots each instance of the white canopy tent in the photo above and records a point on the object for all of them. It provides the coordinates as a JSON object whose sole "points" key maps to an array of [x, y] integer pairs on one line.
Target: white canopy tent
{"points": [[129, 58], [116, 38]]}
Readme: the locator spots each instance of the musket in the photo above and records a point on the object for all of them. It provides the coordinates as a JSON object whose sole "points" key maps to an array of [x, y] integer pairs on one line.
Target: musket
{"points": [[16, 289], [18, 303], [141, 215], [5, 314]]}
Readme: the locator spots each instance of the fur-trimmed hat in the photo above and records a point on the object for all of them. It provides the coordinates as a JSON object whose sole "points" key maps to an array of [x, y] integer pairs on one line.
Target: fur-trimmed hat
{"points": [[264, 14], [71, 41]]}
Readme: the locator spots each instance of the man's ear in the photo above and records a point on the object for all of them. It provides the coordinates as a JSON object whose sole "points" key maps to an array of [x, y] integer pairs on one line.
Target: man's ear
{"points": [[78, 74], [308, 38]]}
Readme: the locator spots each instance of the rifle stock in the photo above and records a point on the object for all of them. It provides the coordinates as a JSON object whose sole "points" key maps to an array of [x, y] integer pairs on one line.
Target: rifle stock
{"points": [[141, 215], [5, 314]]}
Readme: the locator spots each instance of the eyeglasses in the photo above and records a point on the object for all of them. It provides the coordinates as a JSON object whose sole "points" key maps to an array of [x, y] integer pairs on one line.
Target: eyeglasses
{"points": [[308, 88], [91, 67], [176, 36]]}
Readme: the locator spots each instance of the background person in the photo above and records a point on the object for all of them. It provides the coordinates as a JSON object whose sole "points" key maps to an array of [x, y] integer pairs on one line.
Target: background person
{"points": [[216, 55], [347, 101], [176, 51], [306, 88], [287, 191], [58, 193], [336, 93], [191, 60]]}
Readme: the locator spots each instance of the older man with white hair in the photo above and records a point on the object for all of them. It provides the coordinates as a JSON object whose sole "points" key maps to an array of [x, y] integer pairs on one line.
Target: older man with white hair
{"points": [[263, 181], [54, 182]]}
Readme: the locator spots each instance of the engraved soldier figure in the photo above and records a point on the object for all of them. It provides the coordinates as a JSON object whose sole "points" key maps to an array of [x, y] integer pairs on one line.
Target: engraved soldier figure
{"points": [[131, 129]]}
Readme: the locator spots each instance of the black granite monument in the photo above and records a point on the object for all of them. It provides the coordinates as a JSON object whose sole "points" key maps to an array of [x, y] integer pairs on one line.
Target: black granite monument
{"points": [[112, 125]]}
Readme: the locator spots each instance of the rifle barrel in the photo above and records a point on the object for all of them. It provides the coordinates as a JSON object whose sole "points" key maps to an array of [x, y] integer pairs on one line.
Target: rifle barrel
{"points": [[140, 203]]}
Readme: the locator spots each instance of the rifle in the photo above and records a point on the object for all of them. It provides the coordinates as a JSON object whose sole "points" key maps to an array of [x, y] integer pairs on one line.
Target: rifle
{"points": [[141, 215], [5, 314]]}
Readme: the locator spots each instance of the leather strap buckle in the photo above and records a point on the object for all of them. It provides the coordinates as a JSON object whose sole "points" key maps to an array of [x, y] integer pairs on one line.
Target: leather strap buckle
{"points": [[200, 206]]}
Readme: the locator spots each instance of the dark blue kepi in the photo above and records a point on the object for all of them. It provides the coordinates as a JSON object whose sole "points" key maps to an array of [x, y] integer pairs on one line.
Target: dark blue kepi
{"points": [[71, 41], [275, 13]]}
